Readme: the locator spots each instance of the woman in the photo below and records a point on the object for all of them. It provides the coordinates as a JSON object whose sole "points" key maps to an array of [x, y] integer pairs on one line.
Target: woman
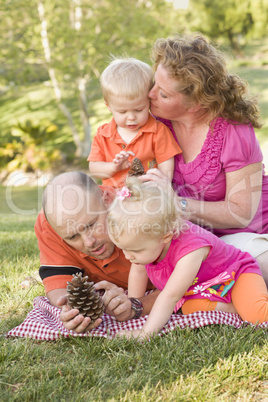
{"points": [[219, 175]]}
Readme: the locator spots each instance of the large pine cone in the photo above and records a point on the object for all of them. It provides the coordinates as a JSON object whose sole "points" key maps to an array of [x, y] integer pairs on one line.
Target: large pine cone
{"points": [[136, 168], [82, 295]]}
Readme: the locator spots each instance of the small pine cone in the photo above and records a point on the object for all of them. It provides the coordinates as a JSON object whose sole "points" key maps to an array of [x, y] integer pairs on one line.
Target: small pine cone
{"points": [[136, 168], [152, 164], [82, 295]]}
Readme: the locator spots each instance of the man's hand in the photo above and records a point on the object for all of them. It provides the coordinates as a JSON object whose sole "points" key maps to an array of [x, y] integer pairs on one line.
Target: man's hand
{"points": [[74, 321], [115, 301]]}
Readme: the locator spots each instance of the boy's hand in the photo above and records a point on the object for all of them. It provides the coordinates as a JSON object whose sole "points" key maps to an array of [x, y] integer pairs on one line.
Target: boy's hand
{"points": [[121, 160]]}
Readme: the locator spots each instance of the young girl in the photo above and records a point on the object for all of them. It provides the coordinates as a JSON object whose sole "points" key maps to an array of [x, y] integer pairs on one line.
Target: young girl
{"points": [[194, 269]]}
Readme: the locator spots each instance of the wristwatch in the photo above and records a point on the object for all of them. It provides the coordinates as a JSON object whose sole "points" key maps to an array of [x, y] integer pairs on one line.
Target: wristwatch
{"points": [[137, 306], [184, 204]]}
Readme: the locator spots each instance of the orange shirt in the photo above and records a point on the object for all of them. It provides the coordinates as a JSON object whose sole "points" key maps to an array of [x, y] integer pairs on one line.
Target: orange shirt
{"points": [[59, 261], [154, 141]]}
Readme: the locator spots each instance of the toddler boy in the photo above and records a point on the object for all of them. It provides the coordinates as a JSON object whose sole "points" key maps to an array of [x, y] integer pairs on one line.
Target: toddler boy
{"points": [[133, 132]]}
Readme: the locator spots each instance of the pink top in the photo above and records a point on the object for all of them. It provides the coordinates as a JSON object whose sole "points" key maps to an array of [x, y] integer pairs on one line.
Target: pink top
{"points": [[217, 274], [229, 148]]}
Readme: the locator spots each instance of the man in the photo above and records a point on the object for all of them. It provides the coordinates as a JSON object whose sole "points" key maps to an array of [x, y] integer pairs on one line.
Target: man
{"points": [[72, 237]]}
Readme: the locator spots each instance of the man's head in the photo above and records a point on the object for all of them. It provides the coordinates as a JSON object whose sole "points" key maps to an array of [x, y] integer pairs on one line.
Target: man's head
{"points": [[76, 209]]}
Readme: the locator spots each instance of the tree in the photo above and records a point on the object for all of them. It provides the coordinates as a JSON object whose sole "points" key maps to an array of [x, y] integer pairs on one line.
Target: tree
{"points": [[232, 20], [72, 40]]}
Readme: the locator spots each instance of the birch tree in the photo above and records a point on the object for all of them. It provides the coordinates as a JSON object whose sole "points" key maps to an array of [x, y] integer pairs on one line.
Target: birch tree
{"points": [[82, 146], [72, 41]]}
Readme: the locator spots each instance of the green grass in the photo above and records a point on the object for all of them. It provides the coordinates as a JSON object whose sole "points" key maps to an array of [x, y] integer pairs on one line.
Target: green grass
{"points": [[21, 200], [207, 364]]}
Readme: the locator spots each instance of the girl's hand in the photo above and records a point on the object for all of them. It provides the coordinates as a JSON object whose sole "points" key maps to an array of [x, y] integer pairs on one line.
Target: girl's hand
{"points": [[121, 160]]}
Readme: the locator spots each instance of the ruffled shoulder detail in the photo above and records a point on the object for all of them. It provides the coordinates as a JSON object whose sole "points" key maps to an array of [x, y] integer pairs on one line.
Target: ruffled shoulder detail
{"points": [[203, 170]]}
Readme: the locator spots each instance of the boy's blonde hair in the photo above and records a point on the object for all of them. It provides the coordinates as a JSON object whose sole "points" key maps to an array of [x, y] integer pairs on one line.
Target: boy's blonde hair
{"points": [[127, 77], [149, 210]]}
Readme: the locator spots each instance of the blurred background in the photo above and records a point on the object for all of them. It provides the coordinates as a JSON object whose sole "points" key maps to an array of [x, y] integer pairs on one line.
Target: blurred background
{"points": [[52, 55]]}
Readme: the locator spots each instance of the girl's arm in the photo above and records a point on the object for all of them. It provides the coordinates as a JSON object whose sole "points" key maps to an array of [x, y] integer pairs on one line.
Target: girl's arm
{"points": [[167, 168], [180, 280], [137, 281]]}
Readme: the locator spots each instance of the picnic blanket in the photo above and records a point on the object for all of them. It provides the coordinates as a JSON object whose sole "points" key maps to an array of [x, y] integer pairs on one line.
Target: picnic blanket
{"points": [[43, 323]]}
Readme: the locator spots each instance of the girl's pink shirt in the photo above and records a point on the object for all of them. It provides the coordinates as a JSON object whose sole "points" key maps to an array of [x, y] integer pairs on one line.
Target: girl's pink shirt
{"points": [[217, 273]]}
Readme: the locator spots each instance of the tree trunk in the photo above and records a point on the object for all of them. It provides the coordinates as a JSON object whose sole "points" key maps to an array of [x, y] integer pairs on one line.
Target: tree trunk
{"points": [[76, 23], [84, 117], [54, 81]]}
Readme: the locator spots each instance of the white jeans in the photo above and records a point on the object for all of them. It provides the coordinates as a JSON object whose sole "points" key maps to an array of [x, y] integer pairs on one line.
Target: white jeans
{"points": [[254, 243]]}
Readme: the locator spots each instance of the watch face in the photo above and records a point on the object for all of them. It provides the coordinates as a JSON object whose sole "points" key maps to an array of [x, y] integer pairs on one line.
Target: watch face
{"points": [[137, 306], [183, 205]]}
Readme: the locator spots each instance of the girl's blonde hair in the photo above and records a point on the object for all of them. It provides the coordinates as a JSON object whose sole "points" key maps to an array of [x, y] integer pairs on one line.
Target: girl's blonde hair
{"points": [[126, 77], [149, 210], [201, 72]]}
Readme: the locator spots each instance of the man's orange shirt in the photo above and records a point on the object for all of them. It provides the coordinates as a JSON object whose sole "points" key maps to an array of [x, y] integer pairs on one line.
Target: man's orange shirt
{"points": [[154, 143], [59, 261]]}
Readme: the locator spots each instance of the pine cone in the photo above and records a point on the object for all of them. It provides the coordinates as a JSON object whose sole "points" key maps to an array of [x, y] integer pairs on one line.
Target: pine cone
{"points": [[136, 168], [82, 295], [152, 164]]}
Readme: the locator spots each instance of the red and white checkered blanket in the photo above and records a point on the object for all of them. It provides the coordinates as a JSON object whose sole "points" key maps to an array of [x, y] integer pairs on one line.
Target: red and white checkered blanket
{"points": [[43, 323]]}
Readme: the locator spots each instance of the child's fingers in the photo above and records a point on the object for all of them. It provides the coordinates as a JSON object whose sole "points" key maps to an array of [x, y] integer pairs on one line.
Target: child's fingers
{"points": [[122, 156]]}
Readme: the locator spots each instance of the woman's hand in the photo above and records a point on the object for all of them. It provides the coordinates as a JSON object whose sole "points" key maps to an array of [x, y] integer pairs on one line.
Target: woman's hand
{"points": [[156, 176]]}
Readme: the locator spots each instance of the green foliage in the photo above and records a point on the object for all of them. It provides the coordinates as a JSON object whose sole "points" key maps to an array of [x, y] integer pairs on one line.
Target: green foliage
{"points": [[234, 21], [34, 149], [72, 41], [35, 132]]}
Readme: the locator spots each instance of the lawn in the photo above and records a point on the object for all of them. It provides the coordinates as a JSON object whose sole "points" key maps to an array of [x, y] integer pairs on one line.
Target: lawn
{"points": [[207, 364]]}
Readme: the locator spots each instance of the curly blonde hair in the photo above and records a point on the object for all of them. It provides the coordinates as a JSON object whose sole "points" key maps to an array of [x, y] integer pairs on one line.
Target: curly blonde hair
{"points": [[201, 71], [149, 210]]}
